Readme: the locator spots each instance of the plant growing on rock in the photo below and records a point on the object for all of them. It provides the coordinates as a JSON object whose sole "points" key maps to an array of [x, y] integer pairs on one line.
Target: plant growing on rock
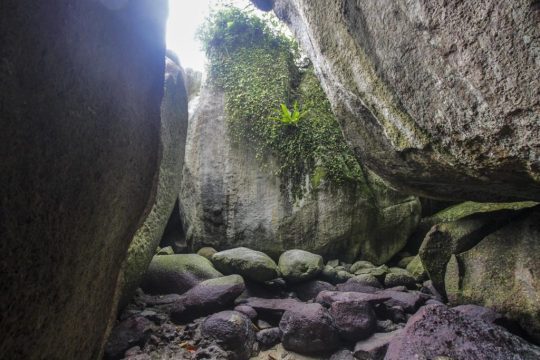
{"points": [[256, 65], [287, 117]]}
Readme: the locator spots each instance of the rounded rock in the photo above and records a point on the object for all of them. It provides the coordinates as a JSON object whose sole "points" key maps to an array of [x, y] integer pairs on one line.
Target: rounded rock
{"points": [[232, 331], [251, 264], [168, 274], [308, 329], [300, 265]]}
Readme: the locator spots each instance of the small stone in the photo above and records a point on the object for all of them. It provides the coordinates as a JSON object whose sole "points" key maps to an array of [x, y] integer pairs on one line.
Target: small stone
{"points": [[409, 301], [261, 324], [342, 355], [359, 265], [366, 280], [207, 252], [387, 326], [310, 289], [269, 337], [379, 272], [327, 298], [247, 310], [168, 250], [333, 263], [400, 279], [343, 276]]}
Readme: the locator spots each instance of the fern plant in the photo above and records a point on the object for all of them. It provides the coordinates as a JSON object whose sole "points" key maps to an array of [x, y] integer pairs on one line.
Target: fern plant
{"points": [[287, 117]]}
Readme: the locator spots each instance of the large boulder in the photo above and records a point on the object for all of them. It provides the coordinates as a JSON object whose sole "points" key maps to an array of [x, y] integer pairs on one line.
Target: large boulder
{"points": [[308, 329], [299, 265], [499, 212], [177, 273], [435, 331], [230, 200], [174, 122], [502, 272], [251, 264], [81, 88], [439, 98], [458, 229]]}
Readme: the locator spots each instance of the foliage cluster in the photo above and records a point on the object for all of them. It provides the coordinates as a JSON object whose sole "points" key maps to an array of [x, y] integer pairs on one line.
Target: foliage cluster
{"points": [[257, 66]]}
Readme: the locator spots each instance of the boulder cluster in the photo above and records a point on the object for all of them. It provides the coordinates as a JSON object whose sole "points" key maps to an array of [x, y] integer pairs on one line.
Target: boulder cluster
{"points": [[241, 304]]}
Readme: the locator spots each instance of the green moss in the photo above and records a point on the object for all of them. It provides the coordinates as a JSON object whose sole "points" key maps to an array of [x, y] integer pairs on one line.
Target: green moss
{"points": [[256, 66], [462, 210], [318, 176]]}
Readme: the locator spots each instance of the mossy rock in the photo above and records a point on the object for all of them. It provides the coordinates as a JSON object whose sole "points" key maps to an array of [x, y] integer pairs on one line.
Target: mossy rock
{"points": [[300, 265], [207, 252], [454, 237], [416, 269], [167, 250], [502, 272], [168, 274], [404, 278], [360, 265], [251, 264], [461, 211], [173, 132]]}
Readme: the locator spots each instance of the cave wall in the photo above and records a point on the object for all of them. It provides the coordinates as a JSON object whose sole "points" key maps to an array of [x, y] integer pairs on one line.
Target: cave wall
{"points": [[81, 86]]}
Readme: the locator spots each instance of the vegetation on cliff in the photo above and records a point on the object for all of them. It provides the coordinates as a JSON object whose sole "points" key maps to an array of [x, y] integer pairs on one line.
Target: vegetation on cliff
{"points": [[260, 69]]}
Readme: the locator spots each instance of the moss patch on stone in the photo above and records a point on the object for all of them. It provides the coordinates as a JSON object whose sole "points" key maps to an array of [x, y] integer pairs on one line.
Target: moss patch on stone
{"points": [[467, 208]]}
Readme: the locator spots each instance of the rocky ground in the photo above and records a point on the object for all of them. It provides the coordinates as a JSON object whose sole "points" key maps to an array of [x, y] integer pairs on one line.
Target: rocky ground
{"points": [[239, 304]]}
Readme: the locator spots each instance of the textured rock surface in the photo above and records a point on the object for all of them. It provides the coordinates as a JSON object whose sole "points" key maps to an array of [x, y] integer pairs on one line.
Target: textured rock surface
{"points": [[310, 289], [502, 272], [174, 122], [130, 332], [431, 109], [355, 320], [299, 265], [436, 331], [233, 331], [177, 273], [81, 87], [209, 296], [458, 229], [229, 200], [251, 264], [374, 347], [308, 330]]}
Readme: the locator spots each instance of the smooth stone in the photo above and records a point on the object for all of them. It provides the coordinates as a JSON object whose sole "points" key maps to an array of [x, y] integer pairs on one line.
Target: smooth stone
{"points": [[299, 265], [251, 264]]}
